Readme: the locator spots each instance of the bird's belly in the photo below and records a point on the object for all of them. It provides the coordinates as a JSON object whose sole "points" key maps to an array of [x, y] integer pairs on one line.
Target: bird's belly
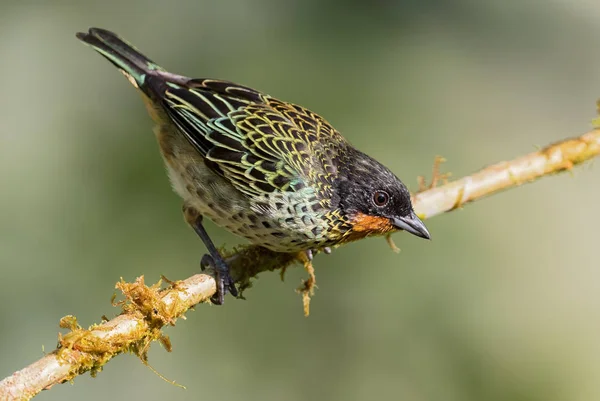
{"points": [[277, 228], [214, 197]]}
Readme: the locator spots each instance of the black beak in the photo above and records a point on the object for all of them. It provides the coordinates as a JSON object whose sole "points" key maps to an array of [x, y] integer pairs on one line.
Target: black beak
{"points": [[412, 224]]}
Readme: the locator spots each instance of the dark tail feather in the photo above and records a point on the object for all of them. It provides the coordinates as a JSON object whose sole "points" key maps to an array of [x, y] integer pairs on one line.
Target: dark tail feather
{"points": [[121, 54]]}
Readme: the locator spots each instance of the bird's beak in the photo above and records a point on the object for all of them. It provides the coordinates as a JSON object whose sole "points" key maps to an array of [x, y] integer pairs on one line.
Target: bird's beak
{"points": [[412, 224]]}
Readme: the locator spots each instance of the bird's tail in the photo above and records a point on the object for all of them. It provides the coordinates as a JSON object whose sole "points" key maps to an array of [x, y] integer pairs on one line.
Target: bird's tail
{"points": [[125, 57]]}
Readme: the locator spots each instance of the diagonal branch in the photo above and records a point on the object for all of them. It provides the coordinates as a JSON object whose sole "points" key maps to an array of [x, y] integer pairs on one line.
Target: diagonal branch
{"points": [[147, 310]]}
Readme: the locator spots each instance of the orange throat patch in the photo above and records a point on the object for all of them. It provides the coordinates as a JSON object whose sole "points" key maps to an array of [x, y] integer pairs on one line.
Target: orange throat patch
{"points": [[364, 225]]}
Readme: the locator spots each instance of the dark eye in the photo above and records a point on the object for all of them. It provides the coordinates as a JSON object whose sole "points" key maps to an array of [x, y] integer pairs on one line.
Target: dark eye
{"points": [[381, 198]]}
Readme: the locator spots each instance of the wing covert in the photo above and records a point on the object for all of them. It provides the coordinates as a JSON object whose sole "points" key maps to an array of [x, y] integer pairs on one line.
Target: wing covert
{"points": [[260, 144]]}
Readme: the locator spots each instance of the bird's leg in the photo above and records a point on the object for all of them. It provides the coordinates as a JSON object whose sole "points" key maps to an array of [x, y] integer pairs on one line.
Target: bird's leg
{"points": [[213, 259]]}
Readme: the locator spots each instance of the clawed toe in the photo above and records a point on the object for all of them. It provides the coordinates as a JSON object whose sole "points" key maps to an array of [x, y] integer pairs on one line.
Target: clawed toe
{"points": [[222, 277]]}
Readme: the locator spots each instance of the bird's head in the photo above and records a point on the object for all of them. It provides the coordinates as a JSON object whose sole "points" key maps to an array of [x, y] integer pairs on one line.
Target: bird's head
{"points": [[374, 200]]}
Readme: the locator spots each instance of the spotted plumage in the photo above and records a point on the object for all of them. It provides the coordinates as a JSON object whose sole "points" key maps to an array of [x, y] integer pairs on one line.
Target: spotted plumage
{"points": [[270, 171], [281, 158]]}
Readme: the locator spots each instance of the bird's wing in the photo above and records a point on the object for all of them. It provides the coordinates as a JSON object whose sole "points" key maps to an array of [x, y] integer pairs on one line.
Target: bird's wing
{"points": [[260, 144]]}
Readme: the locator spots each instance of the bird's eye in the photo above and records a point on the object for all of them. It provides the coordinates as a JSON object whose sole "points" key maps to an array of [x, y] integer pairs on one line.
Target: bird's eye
{"points": [[381, 198]]}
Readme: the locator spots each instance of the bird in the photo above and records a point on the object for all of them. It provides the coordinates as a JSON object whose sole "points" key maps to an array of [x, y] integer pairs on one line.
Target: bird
{"points": [[272, 172]]}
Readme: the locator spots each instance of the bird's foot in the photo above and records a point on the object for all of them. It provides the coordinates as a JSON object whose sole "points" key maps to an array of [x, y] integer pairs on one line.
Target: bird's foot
{"points": [[222, 277]]}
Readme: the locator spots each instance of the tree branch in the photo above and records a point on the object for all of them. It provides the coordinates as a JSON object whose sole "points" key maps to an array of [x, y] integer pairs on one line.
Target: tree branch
{"points": [[146, 310]]}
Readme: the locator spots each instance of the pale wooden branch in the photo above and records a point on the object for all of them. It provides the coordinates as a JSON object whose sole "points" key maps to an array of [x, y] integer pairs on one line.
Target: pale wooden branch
{"points": [[552, 159], [148, 309]]}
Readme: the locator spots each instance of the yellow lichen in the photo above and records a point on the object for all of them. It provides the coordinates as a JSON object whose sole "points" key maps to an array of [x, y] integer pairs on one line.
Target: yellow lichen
{"points": [[391, 243], [596, 121], [307, 288], [436, 176]]}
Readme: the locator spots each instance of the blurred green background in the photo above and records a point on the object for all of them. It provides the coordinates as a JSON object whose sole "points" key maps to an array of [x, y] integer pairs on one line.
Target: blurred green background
{"points": [[503, 304]]}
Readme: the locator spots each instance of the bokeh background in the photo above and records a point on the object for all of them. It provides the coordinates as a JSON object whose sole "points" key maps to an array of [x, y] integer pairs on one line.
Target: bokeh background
{"points": [[503, 304]]}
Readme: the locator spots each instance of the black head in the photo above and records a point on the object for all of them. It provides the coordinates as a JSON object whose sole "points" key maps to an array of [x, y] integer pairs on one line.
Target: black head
{"points": [[372, 197]]}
